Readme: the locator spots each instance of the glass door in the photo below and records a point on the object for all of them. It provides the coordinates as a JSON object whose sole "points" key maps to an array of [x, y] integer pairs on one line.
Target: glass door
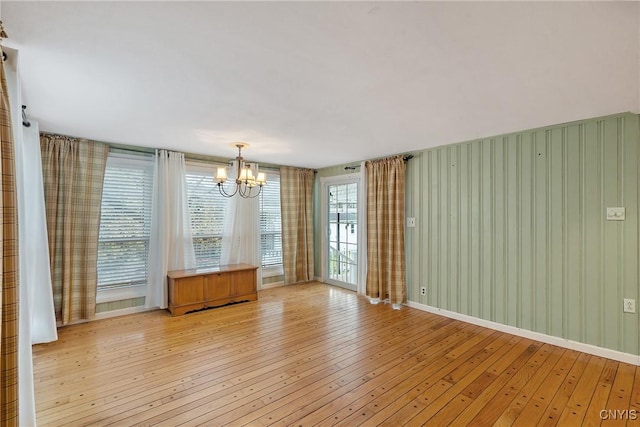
{"points": [[342, 221]]}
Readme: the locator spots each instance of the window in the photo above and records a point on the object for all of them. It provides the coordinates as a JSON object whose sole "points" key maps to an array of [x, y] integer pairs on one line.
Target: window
{"points": [[271, 225], [206, 208], [125, 226]]}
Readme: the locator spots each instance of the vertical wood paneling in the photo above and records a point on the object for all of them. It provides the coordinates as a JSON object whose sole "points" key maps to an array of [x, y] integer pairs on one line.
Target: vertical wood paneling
{"points": [[540, 225], [512, 259], [444, 231], [514, 230], [465, 231], [527, 257], [556, 231], [630, 233], [591, 177], [611, 295], [486, 213], [498, 236], [573, 298], [475, 216], [425, 227], [433, 264], [413, 208], [453, 192]]}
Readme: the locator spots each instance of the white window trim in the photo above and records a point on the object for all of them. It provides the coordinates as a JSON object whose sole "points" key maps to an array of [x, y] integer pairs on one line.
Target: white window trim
{"points": [[207, 168], [357, 177], [273, 270], [133, 291]]}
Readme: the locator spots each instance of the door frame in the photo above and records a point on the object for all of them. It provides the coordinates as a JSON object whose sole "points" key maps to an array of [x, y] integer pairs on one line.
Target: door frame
{"points": [[324, 225]]}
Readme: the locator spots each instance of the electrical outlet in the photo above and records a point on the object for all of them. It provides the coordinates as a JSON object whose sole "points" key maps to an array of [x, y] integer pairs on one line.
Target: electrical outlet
{"points": [[411, 222], [629, 305], [615, 214], [423, 291]]}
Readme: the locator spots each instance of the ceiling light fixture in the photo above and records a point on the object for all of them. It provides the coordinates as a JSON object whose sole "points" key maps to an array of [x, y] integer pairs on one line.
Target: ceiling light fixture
{"points": [[245, 179]]}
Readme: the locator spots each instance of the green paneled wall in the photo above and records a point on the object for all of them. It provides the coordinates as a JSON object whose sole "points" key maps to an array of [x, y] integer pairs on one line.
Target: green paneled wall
{"points": [[512, 229]]}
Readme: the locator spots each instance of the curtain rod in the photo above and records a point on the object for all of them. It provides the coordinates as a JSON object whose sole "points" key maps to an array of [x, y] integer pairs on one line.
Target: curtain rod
{"points": [[406, 158], [130, 149], [188, 157]]}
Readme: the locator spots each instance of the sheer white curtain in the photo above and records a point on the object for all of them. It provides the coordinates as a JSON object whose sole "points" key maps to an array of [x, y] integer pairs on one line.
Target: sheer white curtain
{"points": [[171, 243], [35, 273], [241, 235], [37, 323]]}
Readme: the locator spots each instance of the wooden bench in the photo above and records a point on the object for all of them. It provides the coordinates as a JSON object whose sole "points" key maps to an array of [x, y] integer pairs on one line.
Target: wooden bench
{"points": [[200, 288]]}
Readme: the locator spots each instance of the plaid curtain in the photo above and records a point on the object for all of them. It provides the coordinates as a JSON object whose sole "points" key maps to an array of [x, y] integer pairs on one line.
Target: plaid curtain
{"points": [[385, 229], [9, 266], [73, 173], [296, 200]]}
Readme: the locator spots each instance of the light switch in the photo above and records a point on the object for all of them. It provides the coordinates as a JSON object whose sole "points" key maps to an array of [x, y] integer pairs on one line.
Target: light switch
{"points": [[411, 222], [615, 214]]}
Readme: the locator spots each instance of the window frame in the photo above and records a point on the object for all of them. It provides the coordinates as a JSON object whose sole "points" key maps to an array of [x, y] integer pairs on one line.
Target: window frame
{"points": [[208, 168], [273, 270], [144, 161]]}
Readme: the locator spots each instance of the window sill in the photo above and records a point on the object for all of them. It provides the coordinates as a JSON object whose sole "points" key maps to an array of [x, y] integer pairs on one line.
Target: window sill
{"points": [[119, 294]]}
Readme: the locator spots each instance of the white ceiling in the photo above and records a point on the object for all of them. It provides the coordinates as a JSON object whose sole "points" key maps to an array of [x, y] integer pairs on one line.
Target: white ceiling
{"points": [[317, 84]]}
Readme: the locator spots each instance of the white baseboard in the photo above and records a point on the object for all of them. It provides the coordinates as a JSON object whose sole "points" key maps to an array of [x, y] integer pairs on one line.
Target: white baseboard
{"points": [[549, 339]]}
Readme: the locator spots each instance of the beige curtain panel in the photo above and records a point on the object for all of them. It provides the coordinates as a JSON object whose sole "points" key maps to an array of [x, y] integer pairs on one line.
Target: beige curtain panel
{"points": [[296, 200], [73, 173], [9, 272], [385, 229]]}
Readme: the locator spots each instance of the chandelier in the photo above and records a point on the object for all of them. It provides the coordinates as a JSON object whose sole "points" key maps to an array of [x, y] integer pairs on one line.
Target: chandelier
{"points": [[245, 180]]}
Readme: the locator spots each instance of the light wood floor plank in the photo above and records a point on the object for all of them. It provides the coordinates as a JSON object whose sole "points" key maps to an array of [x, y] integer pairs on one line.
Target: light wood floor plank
{"points": [[534, 410], [312, 354], [619, 398], [578, 403], [601, 393], [515, 381], [564, 391], [524, 392]]}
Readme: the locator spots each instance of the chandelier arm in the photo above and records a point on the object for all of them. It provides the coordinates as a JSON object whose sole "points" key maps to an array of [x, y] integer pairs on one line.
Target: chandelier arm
{"points": [[247, 194], [223, 191], [243, 190]]}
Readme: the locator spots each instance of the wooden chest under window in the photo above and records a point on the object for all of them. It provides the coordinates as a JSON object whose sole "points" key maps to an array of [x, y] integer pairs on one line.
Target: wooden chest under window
{"points": [[211, 287]]}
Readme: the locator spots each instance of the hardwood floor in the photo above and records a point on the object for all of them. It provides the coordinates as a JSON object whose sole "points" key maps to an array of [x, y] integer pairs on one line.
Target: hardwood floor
{"points": [[314, 354]]}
